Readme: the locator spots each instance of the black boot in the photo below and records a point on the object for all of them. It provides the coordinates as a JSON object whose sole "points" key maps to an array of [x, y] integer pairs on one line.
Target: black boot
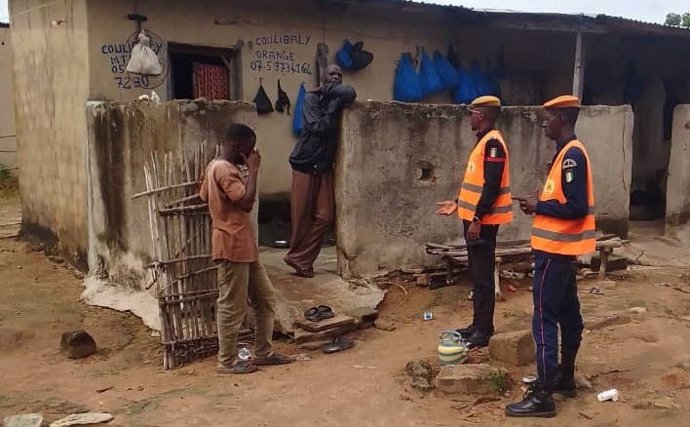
{"points": [[564, 383], [535, 403], [466, 332], [478, 339]]}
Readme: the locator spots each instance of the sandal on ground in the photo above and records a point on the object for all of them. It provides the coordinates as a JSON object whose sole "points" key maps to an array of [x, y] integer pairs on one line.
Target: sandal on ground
{"points": [[238, 368], [338, 344], [307, 274], [272, 359], [317, 314]]}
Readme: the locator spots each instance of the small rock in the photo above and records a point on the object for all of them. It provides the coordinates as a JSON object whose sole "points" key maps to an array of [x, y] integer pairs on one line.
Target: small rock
{"points": [[637, 310], [684, 365], [423, 280], [665, 403], [515, 348], [83, 419], [420, 372], [613, 319], [56, 259], [26, 420], [581, 382], [78, 344], [385, 325]]}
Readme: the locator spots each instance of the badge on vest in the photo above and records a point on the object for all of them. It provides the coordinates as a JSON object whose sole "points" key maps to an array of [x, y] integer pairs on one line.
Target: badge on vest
{"points": [[493, 152], [549, 187], [569, 175]]}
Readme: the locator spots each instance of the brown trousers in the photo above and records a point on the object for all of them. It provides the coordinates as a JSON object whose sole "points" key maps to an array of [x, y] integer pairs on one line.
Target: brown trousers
{"points": [[313, 211], [237, 282]]}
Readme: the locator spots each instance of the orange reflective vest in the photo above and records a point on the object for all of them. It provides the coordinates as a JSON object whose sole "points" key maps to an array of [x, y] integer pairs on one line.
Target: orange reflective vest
{"points": [[565, 236], [473, 184]]}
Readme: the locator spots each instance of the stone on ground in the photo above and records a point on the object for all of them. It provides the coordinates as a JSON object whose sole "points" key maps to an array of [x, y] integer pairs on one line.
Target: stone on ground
{"points": [[612, 319], [385, 325], [83, 419], [470, 379], [513, 348], [78, 344], [25, 420], [421, 373]]}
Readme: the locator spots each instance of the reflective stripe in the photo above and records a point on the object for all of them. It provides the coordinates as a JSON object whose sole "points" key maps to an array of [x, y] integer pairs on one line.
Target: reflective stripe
{"points": [[478, 188], [563, 237], [496, 210]]}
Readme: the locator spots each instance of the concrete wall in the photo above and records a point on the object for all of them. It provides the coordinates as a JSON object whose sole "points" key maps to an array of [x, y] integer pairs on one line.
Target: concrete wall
{"points": [[121, 139], [51, 77], [246, 26], [678, 184], [386, 210], [8, 143]]}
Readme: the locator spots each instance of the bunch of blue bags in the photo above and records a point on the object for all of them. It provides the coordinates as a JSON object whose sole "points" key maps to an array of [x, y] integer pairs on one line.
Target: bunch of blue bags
{"points": [[439, 74]]}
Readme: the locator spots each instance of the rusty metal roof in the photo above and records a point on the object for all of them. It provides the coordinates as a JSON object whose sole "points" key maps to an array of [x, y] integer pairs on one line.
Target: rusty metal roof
{"points": [[544, 21]]}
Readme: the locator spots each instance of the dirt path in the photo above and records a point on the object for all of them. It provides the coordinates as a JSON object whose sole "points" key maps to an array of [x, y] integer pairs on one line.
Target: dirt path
{"points": [[362, 387]]}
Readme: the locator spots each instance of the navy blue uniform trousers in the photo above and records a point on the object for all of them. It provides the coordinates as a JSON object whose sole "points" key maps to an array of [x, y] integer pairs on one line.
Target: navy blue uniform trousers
{"points": [[481, 255], [555, 303]]}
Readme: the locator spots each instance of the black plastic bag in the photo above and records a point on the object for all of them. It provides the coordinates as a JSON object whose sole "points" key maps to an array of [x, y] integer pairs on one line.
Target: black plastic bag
{"points": [[360, 58], [283, 103], [262, 101]]}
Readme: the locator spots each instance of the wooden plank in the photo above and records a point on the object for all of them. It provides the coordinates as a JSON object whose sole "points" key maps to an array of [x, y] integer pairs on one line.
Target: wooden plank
{"points": [[335, 322], [579, 71]]}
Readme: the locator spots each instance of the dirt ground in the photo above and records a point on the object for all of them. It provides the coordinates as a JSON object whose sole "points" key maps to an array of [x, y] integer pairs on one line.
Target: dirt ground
{"points": [[365, 386]]}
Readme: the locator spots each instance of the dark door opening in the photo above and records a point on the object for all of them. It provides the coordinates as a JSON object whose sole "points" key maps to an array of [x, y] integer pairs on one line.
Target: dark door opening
{"points": [[198, 71]]}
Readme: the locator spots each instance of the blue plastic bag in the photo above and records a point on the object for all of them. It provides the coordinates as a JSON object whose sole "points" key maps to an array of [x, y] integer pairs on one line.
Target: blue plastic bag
{"points": [[448, 74], [342, 57], [481, 80], [298, 116], [428, 76], [465, 92], [406, 86]]}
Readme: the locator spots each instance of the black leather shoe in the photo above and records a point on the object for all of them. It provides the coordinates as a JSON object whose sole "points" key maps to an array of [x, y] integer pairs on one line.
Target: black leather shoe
{"points": [[478, 339], [564, 386], [466, 332], [535, 403]]}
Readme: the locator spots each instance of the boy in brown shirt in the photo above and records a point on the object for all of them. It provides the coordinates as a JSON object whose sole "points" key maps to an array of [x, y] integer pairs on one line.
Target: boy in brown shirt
{"points": [[240, 273]]}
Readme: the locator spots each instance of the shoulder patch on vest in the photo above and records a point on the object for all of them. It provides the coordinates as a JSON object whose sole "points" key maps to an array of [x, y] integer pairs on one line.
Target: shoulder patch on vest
{"points": [[569, 164]]}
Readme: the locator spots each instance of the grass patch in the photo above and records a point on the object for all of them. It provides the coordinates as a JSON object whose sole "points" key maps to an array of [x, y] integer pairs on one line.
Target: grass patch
{"points": [[500, 382]]}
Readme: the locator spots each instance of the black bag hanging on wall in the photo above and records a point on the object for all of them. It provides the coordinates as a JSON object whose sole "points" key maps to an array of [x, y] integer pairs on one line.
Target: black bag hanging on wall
{"points": [[283, 103], [360, 58], [262, 101]]}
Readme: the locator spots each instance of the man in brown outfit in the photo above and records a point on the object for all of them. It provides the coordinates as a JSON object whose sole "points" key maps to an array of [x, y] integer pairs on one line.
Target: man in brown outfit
{"points": [[241, 275], [312, 198]]}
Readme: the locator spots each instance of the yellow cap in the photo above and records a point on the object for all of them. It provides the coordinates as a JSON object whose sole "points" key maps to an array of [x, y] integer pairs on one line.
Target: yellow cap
{"points": [[564, 101], [486, 101]]}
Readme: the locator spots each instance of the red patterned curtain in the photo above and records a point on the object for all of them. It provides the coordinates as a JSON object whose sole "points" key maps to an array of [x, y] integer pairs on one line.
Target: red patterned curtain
{"points": [[211, 81]]}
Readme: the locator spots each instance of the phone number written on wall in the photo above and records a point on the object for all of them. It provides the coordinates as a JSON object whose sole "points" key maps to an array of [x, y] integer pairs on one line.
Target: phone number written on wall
{"points": [[269, 57]]}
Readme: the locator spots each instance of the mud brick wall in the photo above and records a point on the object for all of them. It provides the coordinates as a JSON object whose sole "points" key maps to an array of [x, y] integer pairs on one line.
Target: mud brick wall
{"points": [[397, 160]]}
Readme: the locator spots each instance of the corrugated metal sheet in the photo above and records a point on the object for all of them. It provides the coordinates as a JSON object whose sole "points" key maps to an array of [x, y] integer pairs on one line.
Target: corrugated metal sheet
{"points": [[595, 23]]}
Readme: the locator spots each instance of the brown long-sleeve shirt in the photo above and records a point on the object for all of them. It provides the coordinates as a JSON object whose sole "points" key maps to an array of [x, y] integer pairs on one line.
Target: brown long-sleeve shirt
{"points": [[232, 237]]}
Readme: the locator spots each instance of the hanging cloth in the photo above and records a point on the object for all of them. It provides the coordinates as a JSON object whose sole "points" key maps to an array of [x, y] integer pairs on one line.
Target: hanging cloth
{"points": [[283, 103], [262, 101]]}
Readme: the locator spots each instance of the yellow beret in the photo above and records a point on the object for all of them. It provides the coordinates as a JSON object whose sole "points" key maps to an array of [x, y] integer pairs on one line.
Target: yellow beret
{"points": [[564, 101], [486, 101]]}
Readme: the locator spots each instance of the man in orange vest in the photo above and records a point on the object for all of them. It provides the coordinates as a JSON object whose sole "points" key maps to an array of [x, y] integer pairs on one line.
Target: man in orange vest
{"points": [[483, 204], [563, 228]]}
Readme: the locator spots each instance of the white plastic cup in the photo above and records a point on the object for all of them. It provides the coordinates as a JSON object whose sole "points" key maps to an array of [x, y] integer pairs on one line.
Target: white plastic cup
{"points": [[611, 395]]}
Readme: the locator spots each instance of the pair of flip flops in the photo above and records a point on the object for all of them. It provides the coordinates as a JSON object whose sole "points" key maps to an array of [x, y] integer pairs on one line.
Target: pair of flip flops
{"points": [[317, 314]]}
